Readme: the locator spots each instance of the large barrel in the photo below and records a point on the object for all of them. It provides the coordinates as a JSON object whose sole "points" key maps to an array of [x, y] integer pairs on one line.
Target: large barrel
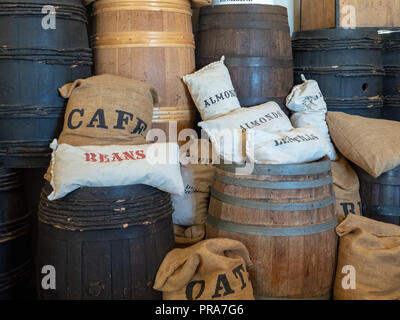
{"points": [[255, 40], [151, 41], [347, 63], [104, 243], [15, 245], [285, 215], [391, 83], [34, 63], [380, 196]]}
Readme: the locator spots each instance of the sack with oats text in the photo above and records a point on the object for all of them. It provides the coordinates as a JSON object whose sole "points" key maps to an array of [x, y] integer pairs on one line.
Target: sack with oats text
{"points": [[214, 269]]}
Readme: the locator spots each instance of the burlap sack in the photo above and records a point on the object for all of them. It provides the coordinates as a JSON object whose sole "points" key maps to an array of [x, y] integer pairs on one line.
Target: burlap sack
{"points": [[187, 236], [372, 144], [369, 258], [347, 189], [107, 110], [214, 269]]}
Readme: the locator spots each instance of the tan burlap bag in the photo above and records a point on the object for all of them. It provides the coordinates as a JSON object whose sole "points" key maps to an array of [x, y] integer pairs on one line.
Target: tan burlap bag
{"points": [[369, 257], [187, 236], [347, 188], [214, 269], [372, 144], [107, 110]]}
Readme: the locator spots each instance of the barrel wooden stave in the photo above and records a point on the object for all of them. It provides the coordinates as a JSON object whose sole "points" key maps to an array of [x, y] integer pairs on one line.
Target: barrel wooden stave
{"points": [[285, 267], [380, 196], [255, 41], [155, 46], [101, 244]]}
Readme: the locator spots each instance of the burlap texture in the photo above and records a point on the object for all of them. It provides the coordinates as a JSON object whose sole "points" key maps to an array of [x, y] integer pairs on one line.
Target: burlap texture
{"points": [[372, 144], [373, 249], [214, 269], [347, 188]]}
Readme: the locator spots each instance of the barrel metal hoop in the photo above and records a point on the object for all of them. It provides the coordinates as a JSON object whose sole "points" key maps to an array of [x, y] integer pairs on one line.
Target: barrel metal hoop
{"points": [[382, 210], [327, 296], [253, 62], [283, 170], [389, 181], [279, 185], [269, 231], [251, 204]]}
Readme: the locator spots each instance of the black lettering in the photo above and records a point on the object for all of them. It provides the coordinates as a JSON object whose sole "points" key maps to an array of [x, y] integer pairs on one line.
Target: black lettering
{"points": [[206, 104], [219, 97], [237, 272], [213, 101], [226, 94], [222, 283], [190, 287], [346, 205], [98, 117], [122, 119], [70, 125], [140, 127]]}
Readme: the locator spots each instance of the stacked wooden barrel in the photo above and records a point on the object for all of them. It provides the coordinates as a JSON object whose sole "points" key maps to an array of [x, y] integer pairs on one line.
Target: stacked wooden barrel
{"points": [[285, 215], [105, 243], [347, 63], [15, 247], [34, 63], [255, 40], [151, 41], [391, 83]]}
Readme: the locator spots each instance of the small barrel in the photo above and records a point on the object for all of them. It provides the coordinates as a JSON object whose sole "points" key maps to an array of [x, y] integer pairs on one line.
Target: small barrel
{"points": [[37, 57], [104, 243], [15, 245], [347, 63], [150, 41], [285, 215], [380, 196], [255, 40], [391, 83]]}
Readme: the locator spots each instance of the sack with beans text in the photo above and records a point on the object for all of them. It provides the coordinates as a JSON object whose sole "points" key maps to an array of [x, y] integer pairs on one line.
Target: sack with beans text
{"points": [[107, 110], [214, 269], [212, 90], [226, 133], [156, 165], [191, 208], [368, 261], [347, 189], [297, 146], [372, 144]]}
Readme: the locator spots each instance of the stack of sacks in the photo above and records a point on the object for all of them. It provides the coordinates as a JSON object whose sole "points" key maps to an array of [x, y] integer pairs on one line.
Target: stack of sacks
{"points": [[103, 142], [214, 269], [262, 134], [368, 261], [190, 210]]}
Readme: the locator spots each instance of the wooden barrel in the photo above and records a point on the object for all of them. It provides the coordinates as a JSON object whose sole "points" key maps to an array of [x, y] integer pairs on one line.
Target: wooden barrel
{"points": [[104, 243], [380, 197], [391, 83], [34, 63], [285, 216], [347, 63], [151, 41], [255, 40], [15, 245]]}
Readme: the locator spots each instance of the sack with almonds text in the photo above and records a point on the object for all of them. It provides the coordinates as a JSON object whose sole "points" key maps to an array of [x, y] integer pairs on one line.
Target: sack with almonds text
{"points": [[214, 269], [347, 189], [107, 110], [369, 260]]}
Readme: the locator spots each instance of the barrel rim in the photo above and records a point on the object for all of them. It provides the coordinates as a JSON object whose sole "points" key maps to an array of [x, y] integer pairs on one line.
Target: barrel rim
{"points": [[244, 8]]}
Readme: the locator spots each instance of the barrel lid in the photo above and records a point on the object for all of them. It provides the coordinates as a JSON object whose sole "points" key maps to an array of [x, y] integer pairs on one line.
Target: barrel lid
{"points": [[338, 34], [244, 8]]}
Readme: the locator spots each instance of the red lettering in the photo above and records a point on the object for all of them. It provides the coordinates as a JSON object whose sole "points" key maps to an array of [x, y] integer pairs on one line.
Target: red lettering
{"points": [[90, 157], [140, 154], [116, 157], [129, 155], [104, 158]]}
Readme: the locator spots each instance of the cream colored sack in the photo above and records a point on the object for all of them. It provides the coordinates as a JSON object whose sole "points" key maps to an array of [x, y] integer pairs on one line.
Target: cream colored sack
{"points": [[369, 260], [297, 146], [347, 189], [372, 144], [156, 165], [214, 269], [227, 133], [191, 208], [212, 90]]}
